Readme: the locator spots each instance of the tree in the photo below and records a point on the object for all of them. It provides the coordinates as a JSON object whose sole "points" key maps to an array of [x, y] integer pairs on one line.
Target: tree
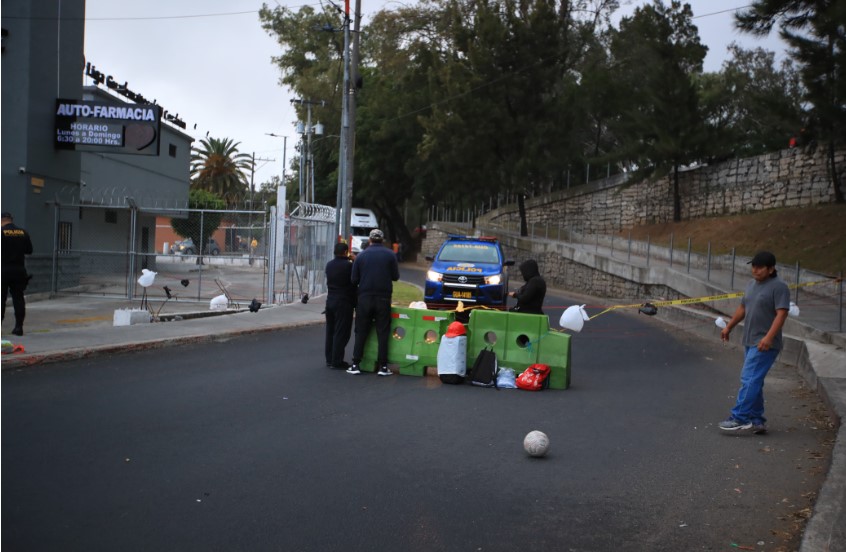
{"points": [[200, 225], [658, 53], [219, 168], [816, 34], [750, 106]]}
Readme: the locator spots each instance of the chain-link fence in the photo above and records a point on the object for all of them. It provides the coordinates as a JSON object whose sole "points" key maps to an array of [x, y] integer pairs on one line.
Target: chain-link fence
{"points": [[102, 250], [309, 236], [197, 254]]}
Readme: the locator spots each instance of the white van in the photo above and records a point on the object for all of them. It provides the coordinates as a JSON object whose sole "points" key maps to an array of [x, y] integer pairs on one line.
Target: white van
{"points": [[362, 221]]}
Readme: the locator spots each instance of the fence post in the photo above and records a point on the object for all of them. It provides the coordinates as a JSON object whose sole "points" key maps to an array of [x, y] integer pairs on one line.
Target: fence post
{"points": [[612, 246], [733, 259], [840, 301], [648, 248], [630, 247], [200, 258], [130, 279], [708, 272], [54, 277], [671, 250], [796, 300], [688, 255]]}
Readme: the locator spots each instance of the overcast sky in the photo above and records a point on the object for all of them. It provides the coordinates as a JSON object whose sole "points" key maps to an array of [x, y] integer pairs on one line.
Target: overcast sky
{"points": [[215, 72]]}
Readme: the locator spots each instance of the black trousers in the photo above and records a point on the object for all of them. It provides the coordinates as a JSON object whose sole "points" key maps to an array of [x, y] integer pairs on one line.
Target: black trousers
{"points": [[14, 280], [372, 309], [339, 317]]}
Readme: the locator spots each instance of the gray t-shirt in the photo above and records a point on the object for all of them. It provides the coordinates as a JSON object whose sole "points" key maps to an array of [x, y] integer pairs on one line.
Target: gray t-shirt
{"points": [[761, 301]]}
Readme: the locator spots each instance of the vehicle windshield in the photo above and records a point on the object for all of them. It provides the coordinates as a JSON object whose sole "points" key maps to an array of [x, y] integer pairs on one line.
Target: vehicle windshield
{"points": [[469, 253], [360, 231]]}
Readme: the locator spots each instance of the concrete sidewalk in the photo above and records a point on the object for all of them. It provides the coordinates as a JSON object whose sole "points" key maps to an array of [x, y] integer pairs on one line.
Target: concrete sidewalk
{"points": [[77, 326]]}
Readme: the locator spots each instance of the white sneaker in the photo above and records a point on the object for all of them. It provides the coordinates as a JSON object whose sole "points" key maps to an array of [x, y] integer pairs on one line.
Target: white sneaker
{"points": [[384, 371], [353, 369]]}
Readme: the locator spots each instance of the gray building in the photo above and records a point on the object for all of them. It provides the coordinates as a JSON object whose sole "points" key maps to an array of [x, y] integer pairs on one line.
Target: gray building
{"points": [[85, 169]]}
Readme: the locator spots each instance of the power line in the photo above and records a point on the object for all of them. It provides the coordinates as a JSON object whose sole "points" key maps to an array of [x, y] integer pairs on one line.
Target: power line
{"points": [[147, 18]]}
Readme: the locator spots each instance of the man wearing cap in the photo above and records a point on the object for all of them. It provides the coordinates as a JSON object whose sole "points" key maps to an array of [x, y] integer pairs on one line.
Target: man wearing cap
{"points": [[764, 306], [374, 272], [16, 244], [340, 302]]}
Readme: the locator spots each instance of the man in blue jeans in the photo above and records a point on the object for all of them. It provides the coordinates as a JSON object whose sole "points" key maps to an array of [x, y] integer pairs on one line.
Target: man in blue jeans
{"points": [[764, 306], [374, 272]]}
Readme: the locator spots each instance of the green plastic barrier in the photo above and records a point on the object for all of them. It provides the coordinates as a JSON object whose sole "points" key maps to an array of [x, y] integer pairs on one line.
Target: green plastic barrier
{"points": [[520, 340], [413, 343]]}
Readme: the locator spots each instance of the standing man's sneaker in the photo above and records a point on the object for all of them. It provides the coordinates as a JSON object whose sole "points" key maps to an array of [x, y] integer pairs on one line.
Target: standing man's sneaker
{"points": [[734, 425], [353, 369], [383, 371], [759, 429]]}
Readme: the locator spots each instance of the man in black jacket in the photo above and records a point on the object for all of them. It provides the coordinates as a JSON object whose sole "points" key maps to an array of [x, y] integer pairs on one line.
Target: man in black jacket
{"points": [[530, 296], [16, 244], [374, 272], [340, 302]]}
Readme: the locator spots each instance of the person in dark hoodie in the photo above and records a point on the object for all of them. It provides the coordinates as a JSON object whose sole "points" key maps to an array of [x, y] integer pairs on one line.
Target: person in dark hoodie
{"points": [[530, 296]]}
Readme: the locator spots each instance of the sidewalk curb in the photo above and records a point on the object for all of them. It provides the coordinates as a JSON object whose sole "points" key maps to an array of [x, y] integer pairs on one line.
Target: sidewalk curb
{"points": [[24, 360]]}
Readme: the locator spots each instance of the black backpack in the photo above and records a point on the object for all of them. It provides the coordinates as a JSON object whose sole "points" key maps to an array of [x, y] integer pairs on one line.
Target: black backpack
{"points": [[483, 372]]}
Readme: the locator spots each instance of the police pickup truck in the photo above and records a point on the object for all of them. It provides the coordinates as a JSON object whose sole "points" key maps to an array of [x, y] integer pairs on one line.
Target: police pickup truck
{"points": [[470, 270]]}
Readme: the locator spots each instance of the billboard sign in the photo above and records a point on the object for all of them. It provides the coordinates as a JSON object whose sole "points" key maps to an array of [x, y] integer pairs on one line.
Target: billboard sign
{"points": [[108, 128]]}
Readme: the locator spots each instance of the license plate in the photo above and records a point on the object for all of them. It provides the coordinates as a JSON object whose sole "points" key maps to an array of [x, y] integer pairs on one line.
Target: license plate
{"points": [[462, 294]]}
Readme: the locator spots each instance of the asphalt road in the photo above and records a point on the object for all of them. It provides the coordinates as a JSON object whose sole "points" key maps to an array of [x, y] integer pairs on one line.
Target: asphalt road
{"points": [[253, 444]]}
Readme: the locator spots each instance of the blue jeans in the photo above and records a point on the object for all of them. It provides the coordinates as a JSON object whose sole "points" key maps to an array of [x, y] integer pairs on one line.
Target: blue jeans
{"points": [[750, 397]]}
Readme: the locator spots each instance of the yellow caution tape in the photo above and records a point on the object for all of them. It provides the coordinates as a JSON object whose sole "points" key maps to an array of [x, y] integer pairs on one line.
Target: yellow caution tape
{"points": [[692, 300]]}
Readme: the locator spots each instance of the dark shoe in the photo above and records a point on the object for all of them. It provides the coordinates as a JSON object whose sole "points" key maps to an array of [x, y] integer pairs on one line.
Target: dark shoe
{"points": [[353, 370], [18, 331], [343, 365], [384, 371]]}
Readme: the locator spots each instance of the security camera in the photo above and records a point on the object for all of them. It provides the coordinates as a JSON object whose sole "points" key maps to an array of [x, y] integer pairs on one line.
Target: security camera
{"points": [[21, 170]]}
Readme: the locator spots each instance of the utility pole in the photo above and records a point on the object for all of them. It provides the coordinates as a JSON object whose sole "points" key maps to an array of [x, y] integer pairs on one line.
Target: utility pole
{"points": [[304, 163], [342, 212], [351, 90]]}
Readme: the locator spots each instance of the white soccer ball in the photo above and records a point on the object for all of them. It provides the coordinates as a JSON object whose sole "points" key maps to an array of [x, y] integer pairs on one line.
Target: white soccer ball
{"points": [[536, 443]]}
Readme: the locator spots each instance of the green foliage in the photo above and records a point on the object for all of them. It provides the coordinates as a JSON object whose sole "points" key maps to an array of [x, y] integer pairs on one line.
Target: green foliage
{"points": [[751, 106], [816, 33], [200, 225], [219, 168], [467, 102]]}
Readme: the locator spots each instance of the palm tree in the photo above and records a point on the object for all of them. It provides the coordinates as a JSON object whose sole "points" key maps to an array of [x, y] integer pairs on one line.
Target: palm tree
{"points": [[218, 167]]}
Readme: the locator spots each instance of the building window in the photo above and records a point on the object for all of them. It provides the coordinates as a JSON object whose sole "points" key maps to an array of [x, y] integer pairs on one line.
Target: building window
{"points": [[65, 237], [171, 150], [111, 217]]}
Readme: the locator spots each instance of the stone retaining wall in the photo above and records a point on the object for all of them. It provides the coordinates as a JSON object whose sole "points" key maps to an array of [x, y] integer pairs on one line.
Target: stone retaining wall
{"points": [[787, 178]]}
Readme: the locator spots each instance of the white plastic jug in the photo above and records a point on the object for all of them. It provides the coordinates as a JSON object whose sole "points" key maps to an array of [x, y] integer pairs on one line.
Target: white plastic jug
{"points": [[573, 318]]}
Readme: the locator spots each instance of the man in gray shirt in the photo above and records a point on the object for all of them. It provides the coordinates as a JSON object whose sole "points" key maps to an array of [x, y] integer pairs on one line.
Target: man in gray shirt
{"points": [[764, 306]]}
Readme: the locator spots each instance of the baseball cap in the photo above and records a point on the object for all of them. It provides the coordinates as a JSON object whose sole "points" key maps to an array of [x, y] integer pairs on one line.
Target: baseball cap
{"points": [[763, 258], [376, 235]]}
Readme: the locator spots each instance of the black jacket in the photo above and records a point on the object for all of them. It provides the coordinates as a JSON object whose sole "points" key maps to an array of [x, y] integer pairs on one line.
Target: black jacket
{"points": [[338, 284], [375, 270], [530, 296], [16, 244]]}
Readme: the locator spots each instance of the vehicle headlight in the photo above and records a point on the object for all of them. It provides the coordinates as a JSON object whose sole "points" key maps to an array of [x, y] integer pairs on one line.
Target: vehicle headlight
{"points": [[493, 280], [433, 276]]}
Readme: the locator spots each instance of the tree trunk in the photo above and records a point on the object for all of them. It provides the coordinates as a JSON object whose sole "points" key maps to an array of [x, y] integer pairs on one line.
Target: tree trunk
{"points": [[835, 178], [676, 195], [521, 206]]}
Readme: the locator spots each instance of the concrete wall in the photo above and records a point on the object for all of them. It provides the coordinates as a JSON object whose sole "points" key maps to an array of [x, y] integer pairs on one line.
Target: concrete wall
{"points": [[787, 178]]}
